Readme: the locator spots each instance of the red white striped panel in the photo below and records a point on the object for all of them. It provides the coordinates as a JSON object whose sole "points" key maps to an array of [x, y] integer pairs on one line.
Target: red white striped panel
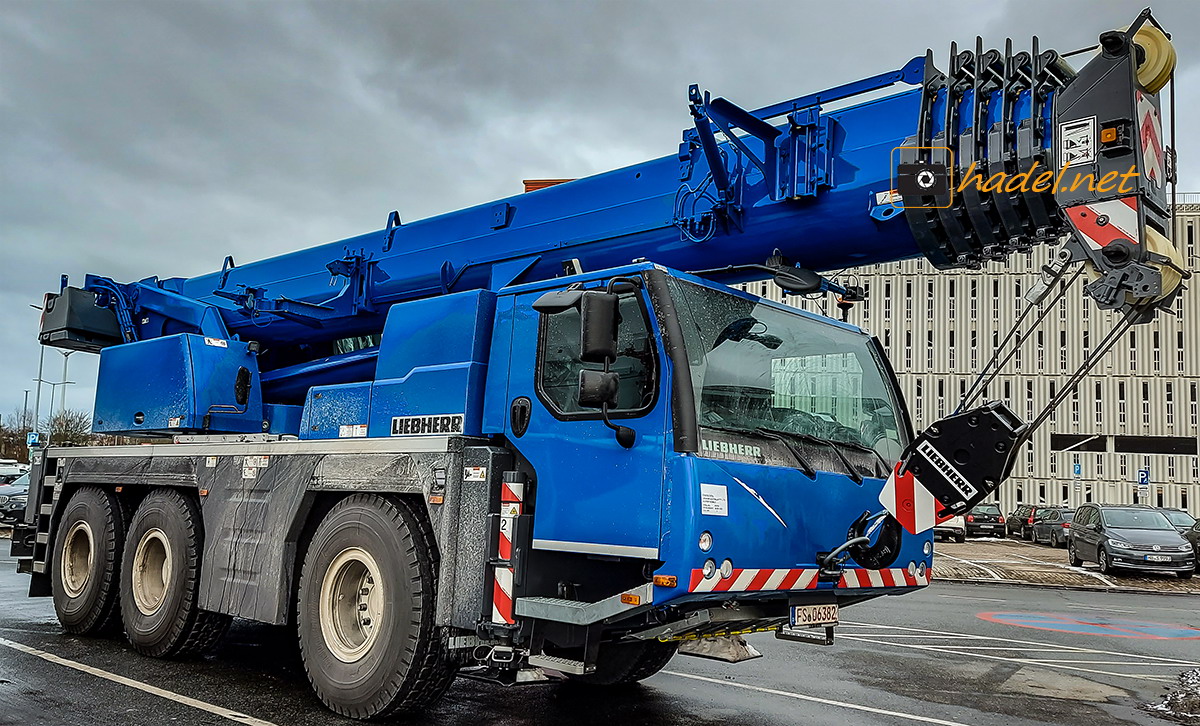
{"points": [[755, 580], [890, 577], [1102, 223], [906, 499], [512, 491], [1154, 164], [502, 602]]}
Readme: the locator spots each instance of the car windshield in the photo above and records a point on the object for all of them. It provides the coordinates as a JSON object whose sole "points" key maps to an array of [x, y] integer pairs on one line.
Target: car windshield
{"points": [[987, 509], [1178, 518], [757, 367], [1136, 519], [21, 481]]}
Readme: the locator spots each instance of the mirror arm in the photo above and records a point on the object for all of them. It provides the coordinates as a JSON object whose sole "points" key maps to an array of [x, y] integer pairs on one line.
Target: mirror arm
{"points": [[625, 435]]}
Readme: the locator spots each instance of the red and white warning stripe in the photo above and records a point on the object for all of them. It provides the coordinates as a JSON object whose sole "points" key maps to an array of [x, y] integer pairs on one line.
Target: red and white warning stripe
{"points": [[913, 506], [1154, 159], [1103, 223], [512, 497], [755, 580], [890, 577]]}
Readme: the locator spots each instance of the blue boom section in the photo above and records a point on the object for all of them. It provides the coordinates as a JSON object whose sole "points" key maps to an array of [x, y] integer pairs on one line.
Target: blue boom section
{"points": [[820, 202]]}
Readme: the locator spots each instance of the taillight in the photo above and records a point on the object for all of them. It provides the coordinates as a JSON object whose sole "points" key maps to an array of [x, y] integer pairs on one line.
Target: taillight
{"points": [[1030, 521], [1001, 519], [1066, 525], [970, 517]]}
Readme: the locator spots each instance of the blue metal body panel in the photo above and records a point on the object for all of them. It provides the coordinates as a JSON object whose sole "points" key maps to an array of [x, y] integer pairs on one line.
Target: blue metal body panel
{"points": [[170, 384], [332, 412]]}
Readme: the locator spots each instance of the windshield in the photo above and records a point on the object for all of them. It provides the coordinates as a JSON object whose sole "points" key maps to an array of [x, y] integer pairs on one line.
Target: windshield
{"points": [[1136, 519], [756, 367], [1178, 518], [986, 509]]}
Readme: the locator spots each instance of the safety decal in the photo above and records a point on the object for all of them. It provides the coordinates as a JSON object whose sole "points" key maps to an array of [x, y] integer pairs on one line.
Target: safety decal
{"points": [[1102, 223], [906, 499], [755, 580], [352, 431], [1078, 142], [889, 577], [1154, 163], [714, 500], [475, 473]]}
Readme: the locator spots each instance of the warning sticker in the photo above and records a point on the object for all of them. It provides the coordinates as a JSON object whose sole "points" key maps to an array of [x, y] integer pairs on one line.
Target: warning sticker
{"points": [[714, 500], [210, 462], [510, 509], [891, 196], [249, 472], [1077, 142], [257, 462], [475, 473], [352, 431], [216, 342]]}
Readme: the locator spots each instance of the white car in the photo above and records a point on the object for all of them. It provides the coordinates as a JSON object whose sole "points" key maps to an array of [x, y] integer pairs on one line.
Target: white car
{"points": [[955, 527]]}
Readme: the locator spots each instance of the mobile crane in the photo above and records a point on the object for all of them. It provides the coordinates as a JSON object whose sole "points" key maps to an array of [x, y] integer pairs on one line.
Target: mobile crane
{"points": [[542, 437]]}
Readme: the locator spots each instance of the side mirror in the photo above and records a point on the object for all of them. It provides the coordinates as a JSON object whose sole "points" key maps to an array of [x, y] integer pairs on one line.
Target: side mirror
{"points": [[598, 388], [598, 327]]}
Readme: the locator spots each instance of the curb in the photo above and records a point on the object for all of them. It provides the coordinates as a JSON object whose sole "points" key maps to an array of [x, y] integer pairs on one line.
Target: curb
{"points": [[1057, 586]]}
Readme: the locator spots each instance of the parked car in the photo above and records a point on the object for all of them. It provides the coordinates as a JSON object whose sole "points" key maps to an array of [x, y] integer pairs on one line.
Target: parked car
{"points": [[1181, 520], [1051, 526], [1016, 519], [985, 519], [955, 527], [1193, 536], [1128, 537], [13, 498], [1030, 512]]}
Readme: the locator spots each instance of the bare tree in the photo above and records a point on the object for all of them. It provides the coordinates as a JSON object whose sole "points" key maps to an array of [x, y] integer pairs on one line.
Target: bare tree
{"points": [[70, 427]]}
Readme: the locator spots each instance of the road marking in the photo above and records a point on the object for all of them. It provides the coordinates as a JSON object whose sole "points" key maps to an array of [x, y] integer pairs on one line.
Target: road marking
{"points": [[815, 699], [1069, 568], [1034, 643], [1103, 610], [967, 597], [152, 690], [1023, 661], [972, 564]]}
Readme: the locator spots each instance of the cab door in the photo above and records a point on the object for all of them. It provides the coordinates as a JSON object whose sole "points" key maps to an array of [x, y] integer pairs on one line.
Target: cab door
{"points": [[593, 495]]}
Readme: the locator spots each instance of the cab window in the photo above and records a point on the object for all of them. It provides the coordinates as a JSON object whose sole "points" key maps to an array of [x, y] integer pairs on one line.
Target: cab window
{"points": [[559, 362]]}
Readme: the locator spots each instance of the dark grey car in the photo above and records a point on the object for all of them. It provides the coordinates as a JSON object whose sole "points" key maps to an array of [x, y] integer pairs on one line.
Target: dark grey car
{"points": [[12, 500], [1128, 537], [1052, 525]]}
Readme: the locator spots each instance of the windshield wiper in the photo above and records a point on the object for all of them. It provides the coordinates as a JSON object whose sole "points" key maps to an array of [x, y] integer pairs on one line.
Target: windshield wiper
{"points": [[834, 446], [805, 465]]}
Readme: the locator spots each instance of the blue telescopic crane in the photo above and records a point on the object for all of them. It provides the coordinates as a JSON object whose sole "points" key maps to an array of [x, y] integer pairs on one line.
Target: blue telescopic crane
{"points": [[543, 438]]}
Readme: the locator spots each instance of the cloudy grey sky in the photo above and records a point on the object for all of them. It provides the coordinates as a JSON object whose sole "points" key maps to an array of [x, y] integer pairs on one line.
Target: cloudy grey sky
{"points": [[142, 139]]}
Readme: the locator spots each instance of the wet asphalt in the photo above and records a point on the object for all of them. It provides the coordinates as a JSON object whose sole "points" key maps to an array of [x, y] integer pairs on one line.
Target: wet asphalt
{"points": [[922, 658]]}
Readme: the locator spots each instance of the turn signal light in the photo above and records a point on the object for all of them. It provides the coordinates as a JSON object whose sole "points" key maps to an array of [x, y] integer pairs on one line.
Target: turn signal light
{"points": [[666, 581]]}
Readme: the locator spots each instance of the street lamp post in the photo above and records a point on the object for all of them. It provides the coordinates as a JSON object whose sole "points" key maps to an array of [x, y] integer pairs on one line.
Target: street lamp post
{"points": [[25, 411], [64, 383]]}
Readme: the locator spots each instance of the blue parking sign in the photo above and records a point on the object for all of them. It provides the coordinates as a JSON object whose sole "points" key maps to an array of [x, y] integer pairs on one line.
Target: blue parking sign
{"points": [[1078, 468], [1143, 476], [33, 438]]}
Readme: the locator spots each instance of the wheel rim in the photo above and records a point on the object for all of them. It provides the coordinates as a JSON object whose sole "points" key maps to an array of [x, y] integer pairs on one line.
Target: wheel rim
{"points": [[152, 567], [351, 605], [77, 556]]}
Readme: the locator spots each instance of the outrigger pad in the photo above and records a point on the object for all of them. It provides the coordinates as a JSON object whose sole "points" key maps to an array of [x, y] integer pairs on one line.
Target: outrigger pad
{"points": [[952, 466]]}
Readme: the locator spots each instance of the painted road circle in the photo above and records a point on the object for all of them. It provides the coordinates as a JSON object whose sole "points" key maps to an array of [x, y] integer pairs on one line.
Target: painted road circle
{"points": [[1094, 625]]}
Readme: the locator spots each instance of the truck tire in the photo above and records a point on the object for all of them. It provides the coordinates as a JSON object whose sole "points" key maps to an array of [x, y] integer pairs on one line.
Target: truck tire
{"points": [[366, 605], [86, 562], [160, 579], [623, 663]]}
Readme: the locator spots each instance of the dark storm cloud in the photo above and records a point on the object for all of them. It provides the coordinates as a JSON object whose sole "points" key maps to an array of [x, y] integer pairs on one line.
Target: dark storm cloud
{"points": [[155, 138]]}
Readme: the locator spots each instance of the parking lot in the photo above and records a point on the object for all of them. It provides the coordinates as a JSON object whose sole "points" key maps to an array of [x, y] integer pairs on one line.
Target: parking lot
{"points": [[951, 654]]}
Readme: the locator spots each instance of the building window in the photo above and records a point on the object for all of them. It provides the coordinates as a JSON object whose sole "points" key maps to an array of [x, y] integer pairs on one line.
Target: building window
{"points": [[1099, 465], [996, 300], [1171, 468], [1053, 463], [951, 350], [1029, 400], [908, 349], [1158, 495], [1123, 465], [1170, 404], [1157, 352], [1145, 403], [975, 350], [1099, 404], [951, 300], [1179, 349], [1122, 410], [1053, 411], [1075, 407], [941, 398], [887, 301], [929, 349], [1062, 350], [908, 296], [974, 299], [1066, 493], [1183, 498], [1041, 350], [1042, 493], [1020, 494], [929, 302], [1192, 405], [1133, 350]]}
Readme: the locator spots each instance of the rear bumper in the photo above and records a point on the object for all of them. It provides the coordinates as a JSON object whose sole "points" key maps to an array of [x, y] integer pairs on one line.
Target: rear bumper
{"points": [[986, 528], [767, 582]]}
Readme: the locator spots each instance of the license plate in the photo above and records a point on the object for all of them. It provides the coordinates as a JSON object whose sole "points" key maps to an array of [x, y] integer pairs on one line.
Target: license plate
{"points": [[808, 616], [987, 526], [1158, 558]]}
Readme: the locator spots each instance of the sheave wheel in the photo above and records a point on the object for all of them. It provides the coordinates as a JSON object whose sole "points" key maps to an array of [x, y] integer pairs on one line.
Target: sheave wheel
{"points": [[160, 579], [367, 599], [86, 562]]}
